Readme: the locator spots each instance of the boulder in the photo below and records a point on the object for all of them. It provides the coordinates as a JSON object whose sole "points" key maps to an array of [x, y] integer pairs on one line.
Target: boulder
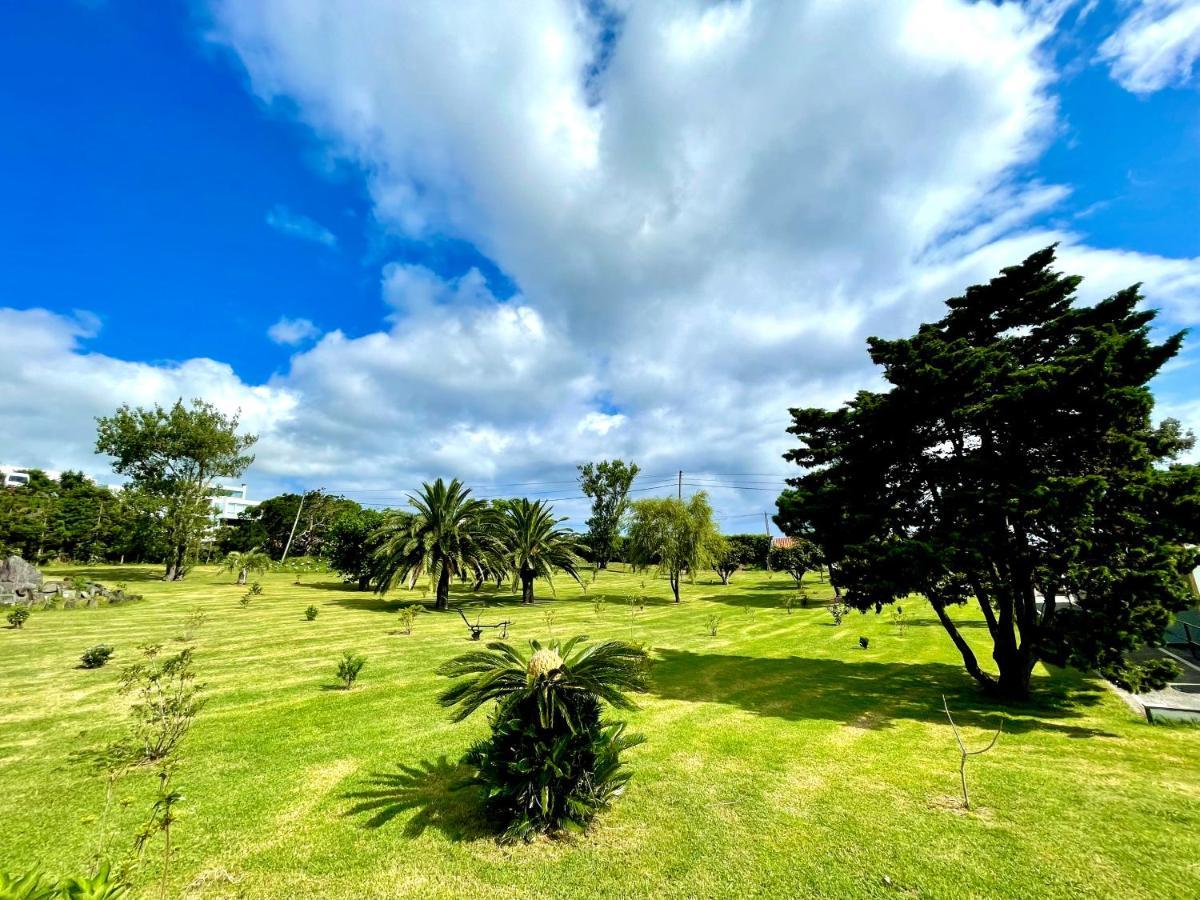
{"points": [[17, 575]]}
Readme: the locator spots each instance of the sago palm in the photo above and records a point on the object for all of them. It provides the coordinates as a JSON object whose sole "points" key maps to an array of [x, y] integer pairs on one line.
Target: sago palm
{"points": [[245, 562], [550, 763], [533, 545], [448, 536]]}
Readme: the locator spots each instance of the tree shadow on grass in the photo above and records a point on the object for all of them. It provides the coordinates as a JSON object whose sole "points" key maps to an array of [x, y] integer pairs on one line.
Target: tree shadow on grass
{"points": [[867, 693], [440, 791]]}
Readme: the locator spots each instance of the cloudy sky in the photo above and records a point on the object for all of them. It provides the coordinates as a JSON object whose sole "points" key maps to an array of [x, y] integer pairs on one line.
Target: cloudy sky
{"points": [[496, 239]]}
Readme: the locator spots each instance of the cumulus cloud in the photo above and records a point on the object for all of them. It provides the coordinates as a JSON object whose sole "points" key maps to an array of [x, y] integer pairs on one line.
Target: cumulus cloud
{"points": [[295, 225], [292, 332], [1156, 46], [705, 216]]}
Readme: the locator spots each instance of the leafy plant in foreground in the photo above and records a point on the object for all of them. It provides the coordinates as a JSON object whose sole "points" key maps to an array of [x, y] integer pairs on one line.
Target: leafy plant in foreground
{"points": [[550, 763], [95, 657], [18, 616]]}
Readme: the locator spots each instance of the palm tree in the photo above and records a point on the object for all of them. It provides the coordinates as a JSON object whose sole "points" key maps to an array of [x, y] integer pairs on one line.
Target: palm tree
{"points": [[550, 763], [246, 562], [448, 536], [533, 545]]}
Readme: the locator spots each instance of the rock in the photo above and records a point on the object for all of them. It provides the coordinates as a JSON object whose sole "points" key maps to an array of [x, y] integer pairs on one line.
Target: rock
{"points": [[16, 575]]}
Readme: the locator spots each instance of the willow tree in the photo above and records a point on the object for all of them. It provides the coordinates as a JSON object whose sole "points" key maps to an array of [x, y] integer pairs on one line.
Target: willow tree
{"points": [[173, 457], [1014, 454], [675, 536]]}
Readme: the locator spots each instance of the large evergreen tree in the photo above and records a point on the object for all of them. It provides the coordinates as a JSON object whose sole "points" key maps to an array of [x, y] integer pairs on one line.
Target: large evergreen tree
{"points": [[1013, 454]]}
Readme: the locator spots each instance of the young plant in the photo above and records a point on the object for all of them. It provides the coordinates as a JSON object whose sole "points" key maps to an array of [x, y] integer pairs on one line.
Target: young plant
{"points": [[548, 617], [898, 619], [166, 701], [95, 657], [101, 886], [964, 752], [348, 668], [311, 613], [254, 591], [712, 623], [598, 604], [550, 763], [18, 616], [162, 817], [192, 624], [838, 610], [408, 617], [864, 643]]}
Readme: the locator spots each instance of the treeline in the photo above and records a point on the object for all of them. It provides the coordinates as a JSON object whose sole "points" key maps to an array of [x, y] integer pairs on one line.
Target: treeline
{"points": [[75, 519]]}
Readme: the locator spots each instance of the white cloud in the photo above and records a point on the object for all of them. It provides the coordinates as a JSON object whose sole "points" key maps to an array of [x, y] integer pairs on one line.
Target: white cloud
{"points": [[295, 225], [1156, 46], [292, 331], [703, 232]]}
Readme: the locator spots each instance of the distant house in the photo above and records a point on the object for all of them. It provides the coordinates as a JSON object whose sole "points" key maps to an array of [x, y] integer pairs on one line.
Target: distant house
{"points": [[18, 476], [783, 543], [229, 502]]}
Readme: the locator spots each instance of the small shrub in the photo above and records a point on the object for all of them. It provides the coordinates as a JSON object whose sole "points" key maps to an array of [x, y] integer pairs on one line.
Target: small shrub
{"points": [[408, 617], [1137, 678], [18, 616], [77, 583], [548, 617], [864, 643], [193, 623], [838, 610], [348, 668], [598, 605], [311, 613], [96, 657], [254, 591], [712, 623]]}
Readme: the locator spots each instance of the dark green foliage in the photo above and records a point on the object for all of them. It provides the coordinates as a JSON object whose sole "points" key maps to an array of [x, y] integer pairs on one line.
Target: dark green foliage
{"points": [[799, 557], [675, 536], [172, 458], [348, 668], [754, 548], [18, 616], [550, 763], [1015, 452], [96, 657], [352, 543], [1137, 678], [728, 557], [864, 642], [607, 483], [270, 524], [311, 613]]}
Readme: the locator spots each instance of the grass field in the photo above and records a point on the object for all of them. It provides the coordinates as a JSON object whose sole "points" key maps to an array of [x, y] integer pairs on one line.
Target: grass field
{"points": [[782, 760]]}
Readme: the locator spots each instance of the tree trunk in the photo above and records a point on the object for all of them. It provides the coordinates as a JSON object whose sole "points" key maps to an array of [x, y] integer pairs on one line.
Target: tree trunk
{"points": [[985, 680], [442, 599], [364, 582], [724, 576], [526, 589], [241, 576], [675, 585]]}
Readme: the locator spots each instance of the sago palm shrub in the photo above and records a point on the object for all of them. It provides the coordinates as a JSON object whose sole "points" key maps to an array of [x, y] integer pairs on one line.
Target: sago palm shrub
{"points": [[551, 762]]}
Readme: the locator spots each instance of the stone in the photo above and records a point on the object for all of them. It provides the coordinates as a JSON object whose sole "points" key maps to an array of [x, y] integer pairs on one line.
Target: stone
{"points": [[17, 576]]}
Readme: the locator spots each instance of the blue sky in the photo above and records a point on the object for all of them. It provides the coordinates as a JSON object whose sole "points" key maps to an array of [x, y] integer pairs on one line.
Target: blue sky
{"points": [[405, 261]]}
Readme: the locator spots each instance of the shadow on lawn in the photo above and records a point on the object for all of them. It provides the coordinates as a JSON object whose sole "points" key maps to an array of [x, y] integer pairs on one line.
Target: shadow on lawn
{"points": [[861, 692], [439, 790]]}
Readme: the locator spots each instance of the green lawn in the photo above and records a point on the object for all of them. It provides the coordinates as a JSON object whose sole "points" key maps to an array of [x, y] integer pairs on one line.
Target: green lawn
{"points": [[782, 760]]}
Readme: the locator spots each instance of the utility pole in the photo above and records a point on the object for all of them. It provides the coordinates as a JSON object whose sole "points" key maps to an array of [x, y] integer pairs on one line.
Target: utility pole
{"points": [[766, 525], [295, 522], [680, 494]]}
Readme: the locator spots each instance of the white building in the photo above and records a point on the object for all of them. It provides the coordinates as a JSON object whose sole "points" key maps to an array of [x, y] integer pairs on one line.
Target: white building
{"points": [[17, 476], [229, 502]]}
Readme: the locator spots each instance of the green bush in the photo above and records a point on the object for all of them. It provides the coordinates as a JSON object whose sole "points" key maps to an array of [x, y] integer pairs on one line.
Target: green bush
{"points": [[348, 668], [711, 624], [18, 616], [1137, 678], [96, 657], [311, 613], [36, 886], [408, 616], [551, 763], [864, 643]]}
